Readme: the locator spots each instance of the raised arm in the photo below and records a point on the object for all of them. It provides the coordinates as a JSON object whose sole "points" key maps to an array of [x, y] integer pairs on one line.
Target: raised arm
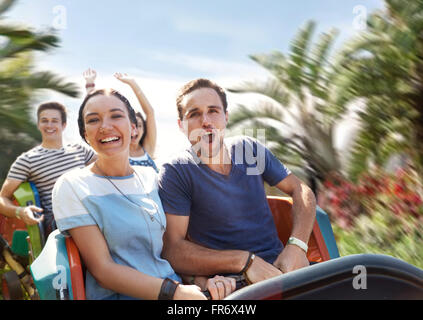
{"points": [[304, 213], [187, 257], [149, 143], [89, 76]]}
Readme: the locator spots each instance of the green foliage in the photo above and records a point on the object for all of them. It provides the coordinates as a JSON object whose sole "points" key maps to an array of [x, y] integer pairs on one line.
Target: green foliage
{"points": [[310, 90], [298, 116], [384, 65], [381, 232], [381, 214]]}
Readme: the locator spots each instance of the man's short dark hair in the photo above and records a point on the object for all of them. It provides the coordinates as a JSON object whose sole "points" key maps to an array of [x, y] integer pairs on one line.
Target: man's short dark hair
{"points": [[198, 84], [52, 106]]}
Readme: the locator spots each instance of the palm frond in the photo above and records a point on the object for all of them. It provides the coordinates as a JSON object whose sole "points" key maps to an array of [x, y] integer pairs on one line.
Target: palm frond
{"points": [[318, 61], [275, 63], [299, 50], [21, 41], [48, 80], [6, 5], [262, 111], [271, 88], [298, 57], [285, 148]]}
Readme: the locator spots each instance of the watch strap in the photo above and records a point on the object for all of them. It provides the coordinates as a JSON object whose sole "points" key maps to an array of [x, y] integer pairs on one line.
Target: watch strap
{"points": [[299, 243]]}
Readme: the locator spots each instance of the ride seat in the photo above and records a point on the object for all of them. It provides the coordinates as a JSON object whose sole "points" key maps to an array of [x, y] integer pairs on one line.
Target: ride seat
{"points": [[58, 270], [321, 245], [62, 250]]}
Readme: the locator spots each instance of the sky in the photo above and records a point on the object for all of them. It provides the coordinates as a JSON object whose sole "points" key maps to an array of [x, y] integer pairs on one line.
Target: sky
{"points": [[164, 44]]}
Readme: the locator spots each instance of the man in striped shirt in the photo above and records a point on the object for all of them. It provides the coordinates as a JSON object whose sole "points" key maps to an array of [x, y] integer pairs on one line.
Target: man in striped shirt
{"points": [[43, 165]]}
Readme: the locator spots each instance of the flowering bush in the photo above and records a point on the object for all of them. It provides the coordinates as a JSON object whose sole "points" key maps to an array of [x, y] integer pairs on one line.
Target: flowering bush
{"points": [[381, 213], [400, 193]]}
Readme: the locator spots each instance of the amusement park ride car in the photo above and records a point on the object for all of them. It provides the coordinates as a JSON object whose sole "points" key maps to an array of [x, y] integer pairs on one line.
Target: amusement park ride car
{"points": [[53, 269]]}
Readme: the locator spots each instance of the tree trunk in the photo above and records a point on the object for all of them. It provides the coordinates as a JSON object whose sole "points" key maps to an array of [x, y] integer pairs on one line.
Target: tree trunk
{"points": [[418, 121]]}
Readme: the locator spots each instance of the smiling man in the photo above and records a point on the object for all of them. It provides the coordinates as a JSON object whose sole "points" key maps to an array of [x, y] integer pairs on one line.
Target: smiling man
{"points": [[43, 165], [218, 218]]}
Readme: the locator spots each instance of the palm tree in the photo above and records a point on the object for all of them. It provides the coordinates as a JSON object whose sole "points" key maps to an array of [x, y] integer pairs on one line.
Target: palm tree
{"points": [[19, 84], [302, 107], [384, 65]]}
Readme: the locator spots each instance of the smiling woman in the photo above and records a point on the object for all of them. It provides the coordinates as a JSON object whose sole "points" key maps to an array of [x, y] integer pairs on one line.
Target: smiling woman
{"points": [[114, 213], [119, 101]]}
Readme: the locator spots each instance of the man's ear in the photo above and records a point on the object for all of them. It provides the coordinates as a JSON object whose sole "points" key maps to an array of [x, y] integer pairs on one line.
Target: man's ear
{"points": [[183, 127]]}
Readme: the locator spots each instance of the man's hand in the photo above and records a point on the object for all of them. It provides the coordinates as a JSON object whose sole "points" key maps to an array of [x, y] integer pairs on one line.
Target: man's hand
{"points": [[220, 287], [261, 270], [30, 215], [291, 258]]}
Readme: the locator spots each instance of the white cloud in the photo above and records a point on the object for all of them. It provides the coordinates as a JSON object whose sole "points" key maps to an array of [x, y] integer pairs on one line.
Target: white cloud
{"points": [[201, 64], [232, 30]]}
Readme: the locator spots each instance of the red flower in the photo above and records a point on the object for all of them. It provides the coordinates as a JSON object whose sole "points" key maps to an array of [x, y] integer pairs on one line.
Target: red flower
{"points": [[398, 189], [328, 184], [415, 199]]}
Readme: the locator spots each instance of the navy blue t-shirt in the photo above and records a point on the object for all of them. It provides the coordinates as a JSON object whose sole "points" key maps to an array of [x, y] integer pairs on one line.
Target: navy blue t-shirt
{"points": [[226, 211]]}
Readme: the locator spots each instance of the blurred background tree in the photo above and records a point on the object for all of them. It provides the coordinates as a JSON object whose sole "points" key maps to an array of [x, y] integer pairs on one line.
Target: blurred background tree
{"points": [[312, 90], [384, 65], [19, 85], [377, 77], [305, 101]]}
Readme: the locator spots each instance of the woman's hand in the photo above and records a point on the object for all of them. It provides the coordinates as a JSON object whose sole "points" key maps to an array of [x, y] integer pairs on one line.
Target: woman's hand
{"points": [[220, 287], [188, 292], [124, 78], [90, 76]]}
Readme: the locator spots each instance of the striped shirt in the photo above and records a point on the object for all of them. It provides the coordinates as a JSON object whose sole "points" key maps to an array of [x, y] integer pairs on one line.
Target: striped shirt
{"points": [[44, 166]]}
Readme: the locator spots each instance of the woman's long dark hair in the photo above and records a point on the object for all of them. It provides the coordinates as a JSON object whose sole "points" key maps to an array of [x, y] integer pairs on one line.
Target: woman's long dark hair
{"points": [[144, 126]]}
